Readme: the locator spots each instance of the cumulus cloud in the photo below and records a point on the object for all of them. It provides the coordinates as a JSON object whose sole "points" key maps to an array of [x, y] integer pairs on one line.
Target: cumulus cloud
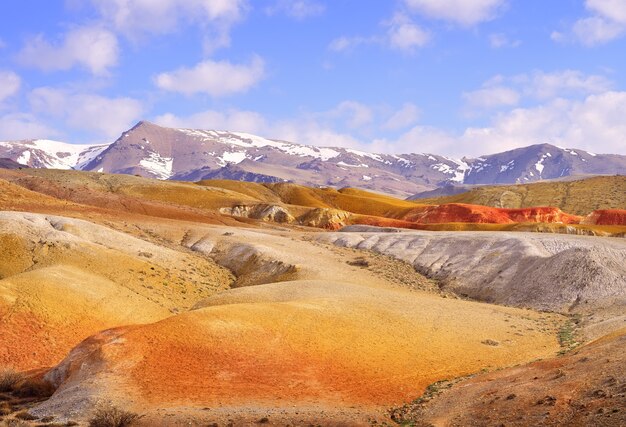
{"points": [[594, 123], [14, 126], [406, 116], [106, 117], [93, 48], [345, 43], [401, 34], [500, 40], [354, 114], [345, 124], [611, 9], [10, 84], [137, 18], [544, 85], [607, 21], [462, 12], [233, 120], [298, 9], [215, 78], [419, 139], [404, 34], [501, 91]]}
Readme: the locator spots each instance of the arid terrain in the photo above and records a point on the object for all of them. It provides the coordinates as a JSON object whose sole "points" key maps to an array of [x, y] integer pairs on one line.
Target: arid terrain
{"points": [[232, 303]]}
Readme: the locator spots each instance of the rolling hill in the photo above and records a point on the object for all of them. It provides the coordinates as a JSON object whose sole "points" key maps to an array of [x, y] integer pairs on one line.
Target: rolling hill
{"points": [[579, 196]]}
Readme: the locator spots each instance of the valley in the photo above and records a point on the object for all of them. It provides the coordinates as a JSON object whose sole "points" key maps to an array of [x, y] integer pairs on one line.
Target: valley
{"points": [[238, 303]]}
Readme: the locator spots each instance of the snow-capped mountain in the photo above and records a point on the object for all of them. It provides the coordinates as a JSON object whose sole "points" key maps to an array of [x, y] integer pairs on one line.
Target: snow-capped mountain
{"points": [[48, 154], [539, 162], [189, 154]]}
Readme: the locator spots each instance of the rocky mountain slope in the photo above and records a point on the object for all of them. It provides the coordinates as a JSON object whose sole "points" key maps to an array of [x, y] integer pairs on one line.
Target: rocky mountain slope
{"points": [[9, 164], [188, 154]]}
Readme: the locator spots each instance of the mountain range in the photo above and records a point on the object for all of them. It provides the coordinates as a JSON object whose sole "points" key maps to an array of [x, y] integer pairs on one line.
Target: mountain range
{"points": [[159, 152]]}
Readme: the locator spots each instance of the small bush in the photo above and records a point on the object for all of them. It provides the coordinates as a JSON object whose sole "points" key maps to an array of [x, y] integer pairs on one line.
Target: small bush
{"points": [[34, 388], [359, 262], [17, 423], [24, 415], [110, 416], [8, 379], [5, 408]]}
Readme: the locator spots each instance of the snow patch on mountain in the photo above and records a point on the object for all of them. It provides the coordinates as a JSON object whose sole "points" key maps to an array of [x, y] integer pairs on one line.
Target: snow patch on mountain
{"points": [[235, 157], [160, 167]]}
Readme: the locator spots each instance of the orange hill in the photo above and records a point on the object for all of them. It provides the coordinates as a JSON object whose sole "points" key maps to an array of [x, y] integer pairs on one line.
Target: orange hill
{"points": [[606, 217], [457, 212]]}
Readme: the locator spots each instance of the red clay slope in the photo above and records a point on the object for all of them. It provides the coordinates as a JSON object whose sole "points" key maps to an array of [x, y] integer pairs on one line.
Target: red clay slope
{"points": [[457, 212], [606, 217]]}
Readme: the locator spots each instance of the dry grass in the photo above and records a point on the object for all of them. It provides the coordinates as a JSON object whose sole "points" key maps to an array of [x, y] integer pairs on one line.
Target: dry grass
{"points": [[111, 416], [16, 423], [24, 415], [34, 387], [9, 378]]}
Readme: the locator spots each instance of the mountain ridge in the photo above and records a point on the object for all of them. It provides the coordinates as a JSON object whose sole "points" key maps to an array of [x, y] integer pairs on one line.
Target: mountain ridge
{"points": [[159, 152]]}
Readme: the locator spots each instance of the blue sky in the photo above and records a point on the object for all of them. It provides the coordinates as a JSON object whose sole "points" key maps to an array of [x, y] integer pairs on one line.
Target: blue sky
{"points": [[454, 77]]}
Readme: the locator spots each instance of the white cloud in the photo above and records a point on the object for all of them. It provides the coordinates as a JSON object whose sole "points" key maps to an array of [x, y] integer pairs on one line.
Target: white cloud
{"points": [[404, 34], [492, 97], [354, 114], [9, 84], [614, 10], [93, 48], [595, 123], [311, 132], [16, 126], [137, 18], [462, 12], [544, 85], [107, 117], [607, 22], [344, 43], [419, 139], [232, 120], [342, 125], [216, 78], [501, 91], [595, 30], [298, 9], [500, 40], [406, 116]]}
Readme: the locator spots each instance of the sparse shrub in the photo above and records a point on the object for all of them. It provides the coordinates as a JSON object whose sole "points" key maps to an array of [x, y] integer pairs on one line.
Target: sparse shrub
{"points": [[17, 423], [24, 415], [359, 262], [33, 387], [9, 378], [111, 416], [5, 408]]}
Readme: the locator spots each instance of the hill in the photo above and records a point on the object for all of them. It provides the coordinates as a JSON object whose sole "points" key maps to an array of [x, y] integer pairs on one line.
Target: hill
{"points": [[578, 197]]}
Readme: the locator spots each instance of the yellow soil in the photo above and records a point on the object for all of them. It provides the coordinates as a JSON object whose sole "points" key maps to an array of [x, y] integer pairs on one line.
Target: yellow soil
{"points": [[317, 343]]}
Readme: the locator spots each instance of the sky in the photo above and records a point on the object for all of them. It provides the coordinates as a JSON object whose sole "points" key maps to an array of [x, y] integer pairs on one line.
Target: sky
{"points": [[451, 77]]}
